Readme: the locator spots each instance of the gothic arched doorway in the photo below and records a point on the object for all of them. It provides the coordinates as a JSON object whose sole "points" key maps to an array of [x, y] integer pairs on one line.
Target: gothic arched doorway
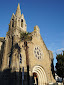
{"points": [[39, 75]]}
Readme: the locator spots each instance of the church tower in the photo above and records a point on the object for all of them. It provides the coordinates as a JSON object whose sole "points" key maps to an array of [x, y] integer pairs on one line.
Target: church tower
{"points": [[17, 21], [17, 26]]}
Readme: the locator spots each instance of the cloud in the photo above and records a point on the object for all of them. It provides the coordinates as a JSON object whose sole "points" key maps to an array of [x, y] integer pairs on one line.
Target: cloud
{"points": [[61, 49]]}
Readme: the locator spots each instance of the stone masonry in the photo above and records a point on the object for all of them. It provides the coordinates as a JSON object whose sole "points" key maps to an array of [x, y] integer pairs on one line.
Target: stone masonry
{"points": [[24, 55]]}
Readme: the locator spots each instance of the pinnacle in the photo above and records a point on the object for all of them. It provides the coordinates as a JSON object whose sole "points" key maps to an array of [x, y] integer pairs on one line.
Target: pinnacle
{"points": [[22, 15]]}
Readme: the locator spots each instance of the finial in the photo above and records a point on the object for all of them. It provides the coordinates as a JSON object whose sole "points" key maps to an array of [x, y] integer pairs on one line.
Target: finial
{"points": [[13, 14], [36, 28]]}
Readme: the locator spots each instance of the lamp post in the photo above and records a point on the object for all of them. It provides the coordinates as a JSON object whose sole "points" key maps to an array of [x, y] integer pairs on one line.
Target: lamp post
{"points": [[22, 74]]}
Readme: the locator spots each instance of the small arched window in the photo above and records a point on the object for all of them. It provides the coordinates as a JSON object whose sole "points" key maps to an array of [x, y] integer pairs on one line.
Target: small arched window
{"points": [[12, 22], [20, 58], [21, 22]]}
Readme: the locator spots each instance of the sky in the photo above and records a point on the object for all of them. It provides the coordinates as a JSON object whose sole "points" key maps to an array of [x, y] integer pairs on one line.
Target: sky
{"points": [[47, 14]]}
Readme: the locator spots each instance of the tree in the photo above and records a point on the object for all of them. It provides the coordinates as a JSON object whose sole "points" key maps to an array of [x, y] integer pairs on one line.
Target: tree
{"points": [[60, 65]]}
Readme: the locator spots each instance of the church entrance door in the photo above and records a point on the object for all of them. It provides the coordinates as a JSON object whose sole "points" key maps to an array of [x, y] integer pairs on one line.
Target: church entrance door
{"points": [[35, 79], [39, 76]]}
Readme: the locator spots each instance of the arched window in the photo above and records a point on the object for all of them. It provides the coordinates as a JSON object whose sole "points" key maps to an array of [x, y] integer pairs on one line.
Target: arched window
{"points": [[20, 58], [12, 22], [21, 22]]}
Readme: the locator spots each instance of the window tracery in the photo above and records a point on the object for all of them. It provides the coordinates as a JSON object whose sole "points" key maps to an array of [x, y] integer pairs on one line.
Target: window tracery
{"points": [[37, 52]]}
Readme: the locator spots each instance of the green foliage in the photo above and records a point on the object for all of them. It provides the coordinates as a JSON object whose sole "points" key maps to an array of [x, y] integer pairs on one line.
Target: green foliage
{"points": [[25, 36], [60, 65], [2, 39]]}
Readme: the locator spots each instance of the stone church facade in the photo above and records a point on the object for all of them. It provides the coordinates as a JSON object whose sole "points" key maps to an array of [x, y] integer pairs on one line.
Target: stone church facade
{"points": [[25, 54]]}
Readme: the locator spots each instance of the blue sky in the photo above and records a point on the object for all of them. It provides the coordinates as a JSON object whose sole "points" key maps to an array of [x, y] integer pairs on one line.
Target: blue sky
{"points": [[47, 14]]}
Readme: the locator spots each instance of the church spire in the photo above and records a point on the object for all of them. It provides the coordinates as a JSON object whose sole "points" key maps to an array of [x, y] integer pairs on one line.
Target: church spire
{"points": [[18, 6], [18, 11]]}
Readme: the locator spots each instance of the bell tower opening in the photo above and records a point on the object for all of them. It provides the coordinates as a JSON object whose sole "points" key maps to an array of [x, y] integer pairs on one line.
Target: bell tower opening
{"points": [[12, 22], [22, 23]]}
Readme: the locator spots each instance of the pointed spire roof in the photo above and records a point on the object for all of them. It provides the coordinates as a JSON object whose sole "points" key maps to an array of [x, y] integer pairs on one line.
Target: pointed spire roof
{"points": [[18, 6], [18, 11]]}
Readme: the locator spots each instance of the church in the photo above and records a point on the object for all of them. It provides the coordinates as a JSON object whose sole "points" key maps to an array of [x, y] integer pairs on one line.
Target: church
{"points": [[24, 57]]}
